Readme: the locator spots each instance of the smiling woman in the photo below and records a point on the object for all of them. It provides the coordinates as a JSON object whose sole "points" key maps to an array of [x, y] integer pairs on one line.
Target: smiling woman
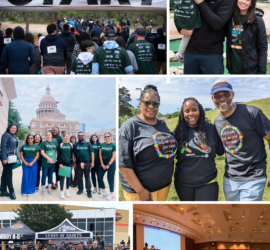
{"points": [[146, 152]]}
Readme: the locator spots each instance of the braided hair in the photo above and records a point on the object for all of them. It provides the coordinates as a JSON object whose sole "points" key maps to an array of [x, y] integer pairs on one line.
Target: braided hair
{"points": [[180, 132]]}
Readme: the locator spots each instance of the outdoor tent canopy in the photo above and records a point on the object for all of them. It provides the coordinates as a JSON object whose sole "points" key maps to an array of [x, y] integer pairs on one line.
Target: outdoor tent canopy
{"points": [[17, 231], [65, 231]]}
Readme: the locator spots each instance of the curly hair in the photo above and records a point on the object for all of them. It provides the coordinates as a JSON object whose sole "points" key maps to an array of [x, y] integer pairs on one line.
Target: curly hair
{"points": [[180, 131], [150, 89]]}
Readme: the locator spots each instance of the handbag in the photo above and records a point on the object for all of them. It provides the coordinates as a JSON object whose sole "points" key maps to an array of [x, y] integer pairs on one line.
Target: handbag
{"points": [[12, 158]]}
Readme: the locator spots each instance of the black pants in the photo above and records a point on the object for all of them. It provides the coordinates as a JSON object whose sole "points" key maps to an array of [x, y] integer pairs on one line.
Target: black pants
{"points": [[94, 174], [208, 192], [38, 172], [6, 178], [110, 175], [57, 177], [86, 173], [68, 62]]}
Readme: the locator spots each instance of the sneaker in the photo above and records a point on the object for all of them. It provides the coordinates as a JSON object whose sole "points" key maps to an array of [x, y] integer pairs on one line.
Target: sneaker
{"points": [[37, 188], [24, 195], [99, 191], [80, 192], [89, 195], [44, 193], [94, 190], [103, 195], [67, 193], [28, 195], [62, 196], [179, 57], [50, 192], [109, 197]]}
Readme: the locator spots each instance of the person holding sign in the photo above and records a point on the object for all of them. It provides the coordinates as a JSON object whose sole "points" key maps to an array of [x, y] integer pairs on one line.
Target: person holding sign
{"points": [[246, 40], [111, 58], [144, 52], [29, 154], [195, 177], [146, 152], [48, 160], [9, 144], [54, 51], [84, 154], [107, 154], [65, 159]]}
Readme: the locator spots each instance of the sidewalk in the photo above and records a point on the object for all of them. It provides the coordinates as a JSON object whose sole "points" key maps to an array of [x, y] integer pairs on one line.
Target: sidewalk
{"points": [[17, 180]]}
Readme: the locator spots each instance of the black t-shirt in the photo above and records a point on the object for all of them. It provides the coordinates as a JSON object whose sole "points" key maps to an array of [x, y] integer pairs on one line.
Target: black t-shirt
{"points": [[242, 136], [195, 161], [149, 150]]}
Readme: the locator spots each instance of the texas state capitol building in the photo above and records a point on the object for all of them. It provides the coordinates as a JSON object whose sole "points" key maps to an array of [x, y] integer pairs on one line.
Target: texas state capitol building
{"points": [[111, 223], [48, 116]]}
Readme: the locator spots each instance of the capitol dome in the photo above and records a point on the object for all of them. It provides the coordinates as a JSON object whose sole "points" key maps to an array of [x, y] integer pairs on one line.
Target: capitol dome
{"points": [[47, 98]]}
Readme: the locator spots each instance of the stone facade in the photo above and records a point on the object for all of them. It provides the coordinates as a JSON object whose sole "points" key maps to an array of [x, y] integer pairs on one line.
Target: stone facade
{"points": [[7, 92]]}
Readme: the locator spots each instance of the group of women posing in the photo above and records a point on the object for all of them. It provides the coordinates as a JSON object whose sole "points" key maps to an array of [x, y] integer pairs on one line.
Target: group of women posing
{"points": [[49, 156], [147, 149]]}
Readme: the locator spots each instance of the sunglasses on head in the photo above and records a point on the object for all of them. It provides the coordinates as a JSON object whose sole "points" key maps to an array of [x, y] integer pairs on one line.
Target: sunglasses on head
{"points": [[147, 104]]}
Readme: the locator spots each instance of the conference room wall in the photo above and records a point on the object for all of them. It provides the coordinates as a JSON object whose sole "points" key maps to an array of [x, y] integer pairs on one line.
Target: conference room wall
{"points": [[257, 246], [140, 236], [233, 246], [188, 244], [202, 246]]}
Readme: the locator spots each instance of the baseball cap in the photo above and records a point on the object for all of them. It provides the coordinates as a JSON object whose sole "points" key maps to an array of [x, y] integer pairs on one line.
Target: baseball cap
{"points": [[110, 245], [110, 33], [62, 243], [53, 243], [141, 31], [120, 245], [88, 242], [10, 242], [221, 85], [75, 243]]}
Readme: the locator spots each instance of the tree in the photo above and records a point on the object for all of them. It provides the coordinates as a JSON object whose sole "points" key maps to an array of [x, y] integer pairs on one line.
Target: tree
{"points": [[124, 99], [14, 117], [41, 217]]}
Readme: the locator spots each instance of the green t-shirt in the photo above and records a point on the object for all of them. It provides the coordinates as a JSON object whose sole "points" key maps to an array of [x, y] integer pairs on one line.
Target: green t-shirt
{"points": [[39, 150], [47, 146], [96, 152], [84, 151], [187, 14], [111, 61], [66, 152], [58, 139], [29, 151], [107, 150], [145, 55], [81, 69], [236, 47]]}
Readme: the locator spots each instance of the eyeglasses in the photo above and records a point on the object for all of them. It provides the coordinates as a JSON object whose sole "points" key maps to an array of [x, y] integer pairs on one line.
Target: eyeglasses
{"points": [[106, 136], [147, 104], [226, 95], [30, 138]]}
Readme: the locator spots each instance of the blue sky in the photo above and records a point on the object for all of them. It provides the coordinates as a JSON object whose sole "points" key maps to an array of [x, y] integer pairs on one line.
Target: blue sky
{"points": [[172, 93], [87, 100]]}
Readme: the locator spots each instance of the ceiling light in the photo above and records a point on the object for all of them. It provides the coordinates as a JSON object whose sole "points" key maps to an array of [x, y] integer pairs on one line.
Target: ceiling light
{"points": [[153, 219], [137, 215], [260, 216], [182, 208]]}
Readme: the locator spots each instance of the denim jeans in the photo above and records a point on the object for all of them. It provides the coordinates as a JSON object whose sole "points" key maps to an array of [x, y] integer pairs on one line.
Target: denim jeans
{"points": [[47, 171], [243, 190]]}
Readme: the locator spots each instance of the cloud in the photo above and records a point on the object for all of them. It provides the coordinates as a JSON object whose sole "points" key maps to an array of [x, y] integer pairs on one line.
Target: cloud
{"points": [[87, 100]]}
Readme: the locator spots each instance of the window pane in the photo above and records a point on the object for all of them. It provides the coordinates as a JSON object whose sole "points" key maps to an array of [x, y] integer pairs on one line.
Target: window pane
{"points": [[6, 221], [74, 220], [81, 220], [100, 219], [91, 227], [6, 224], [99, 226], [109, 226], [81, 225], [109, 239], [108, 219], [108, 232], [91, 220]]}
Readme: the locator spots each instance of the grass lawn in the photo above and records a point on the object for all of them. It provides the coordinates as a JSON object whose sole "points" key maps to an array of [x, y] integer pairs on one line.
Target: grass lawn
{"points": [[264, 105]]}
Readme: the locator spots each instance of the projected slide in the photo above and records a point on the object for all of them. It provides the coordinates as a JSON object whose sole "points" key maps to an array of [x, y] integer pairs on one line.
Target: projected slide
{"points": [[161, 239]]}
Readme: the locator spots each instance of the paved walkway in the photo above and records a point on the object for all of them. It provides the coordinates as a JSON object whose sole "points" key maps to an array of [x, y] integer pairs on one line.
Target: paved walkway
{"points": [[17, 180]]}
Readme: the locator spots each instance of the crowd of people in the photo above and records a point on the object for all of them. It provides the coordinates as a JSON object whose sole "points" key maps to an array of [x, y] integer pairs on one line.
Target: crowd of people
{"points": [[59, 155], [147, 149], [98, 244], [83, 47], [204, 29]]}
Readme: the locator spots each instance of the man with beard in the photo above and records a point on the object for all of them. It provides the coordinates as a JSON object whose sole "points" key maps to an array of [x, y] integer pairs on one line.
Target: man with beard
{"points": [[242, 129], [84, 154], [30, 246], [95, 246], [101, 242], [10, 245], [23, 247], [62, 246], [89, 244], [70, 246]]}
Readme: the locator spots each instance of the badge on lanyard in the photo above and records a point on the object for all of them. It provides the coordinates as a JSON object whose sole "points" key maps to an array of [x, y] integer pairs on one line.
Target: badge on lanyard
{"points": [[161, 46]]}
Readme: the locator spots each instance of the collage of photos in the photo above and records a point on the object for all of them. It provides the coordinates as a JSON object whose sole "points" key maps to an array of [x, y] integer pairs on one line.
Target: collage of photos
{"points": [[130, 160]]}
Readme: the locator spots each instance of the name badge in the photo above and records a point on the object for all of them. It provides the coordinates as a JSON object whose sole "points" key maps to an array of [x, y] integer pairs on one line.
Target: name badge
{"points": [[162, 46], [7, 40], [51, 49]]}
